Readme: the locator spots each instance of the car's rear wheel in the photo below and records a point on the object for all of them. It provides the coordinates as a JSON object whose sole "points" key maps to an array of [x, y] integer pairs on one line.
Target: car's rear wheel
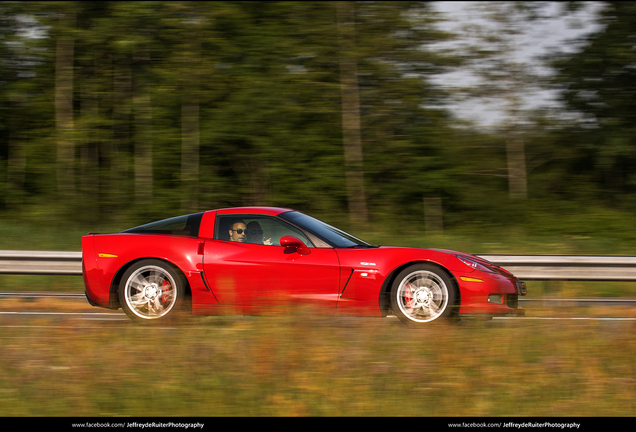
{"points": [[423, 293], [151, 290]]}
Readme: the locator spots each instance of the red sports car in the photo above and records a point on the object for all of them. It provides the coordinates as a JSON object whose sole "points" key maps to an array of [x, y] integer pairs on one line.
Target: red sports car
{"points": [[245, 260]]}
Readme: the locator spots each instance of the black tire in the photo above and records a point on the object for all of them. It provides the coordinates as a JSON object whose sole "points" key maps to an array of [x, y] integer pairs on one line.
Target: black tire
{"points": [[152, 290], [423, 293]]}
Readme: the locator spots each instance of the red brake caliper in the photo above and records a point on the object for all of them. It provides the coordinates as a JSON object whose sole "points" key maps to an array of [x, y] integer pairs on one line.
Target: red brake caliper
{"points": [[407, 296], [165, 288]]}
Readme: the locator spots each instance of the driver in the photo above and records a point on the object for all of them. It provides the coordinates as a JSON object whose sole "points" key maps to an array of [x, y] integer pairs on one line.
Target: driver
{"points": [[238, 232]]}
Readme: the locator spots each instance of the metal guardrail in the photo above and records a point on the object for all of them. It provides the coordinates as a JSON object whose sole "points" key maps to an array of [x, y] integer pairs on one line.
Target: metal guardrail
{"points": [[527, 267], [40, 263], [564, 267]]}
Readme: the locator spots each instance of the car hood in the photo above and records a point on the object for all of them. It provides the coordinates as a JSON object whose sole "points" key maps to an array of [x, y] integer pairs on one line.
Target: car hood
{"points": [[467, 255], [393, 256], [475, 258]]}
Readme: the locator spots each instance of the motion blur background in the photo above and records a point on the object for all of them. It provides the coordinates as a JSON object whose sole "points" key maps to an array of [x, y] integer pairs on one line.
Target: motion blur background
{"points": [[476, 118], [503, 127]]}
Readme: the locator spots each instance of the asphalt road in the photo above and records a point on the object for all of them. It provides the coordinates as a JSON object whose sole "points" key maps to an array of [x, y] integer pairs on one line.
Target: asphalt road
{"points": [[25, 306]]}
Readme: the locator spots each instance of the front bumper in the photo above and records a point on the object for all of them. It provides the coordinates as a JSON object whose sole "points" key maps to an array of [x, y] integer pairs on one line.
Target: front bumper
{"points": [[490, 294]]}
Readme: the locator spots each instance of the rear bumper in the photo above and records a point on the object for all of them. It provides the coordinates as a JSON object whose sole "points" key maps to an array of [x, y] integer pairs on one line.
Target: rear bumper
{"points": [[92, 303]]}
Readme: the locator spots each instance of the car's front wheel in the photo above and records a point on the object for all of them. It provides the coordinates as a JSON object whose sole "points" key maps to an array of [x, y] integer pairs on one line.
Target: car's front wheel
{"points": [[150, 290], [423, 293]]}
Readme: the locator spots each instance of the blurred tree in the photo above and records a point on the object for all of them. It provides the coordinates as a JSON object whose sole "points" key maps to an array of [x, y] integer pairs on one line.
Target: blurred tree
{"points": [[351, 133], [494, 43], [64, 110], [188, 105], [597, 83], [40, 95], [11, 151], [187, 31], [295, 131], [405, 128]]}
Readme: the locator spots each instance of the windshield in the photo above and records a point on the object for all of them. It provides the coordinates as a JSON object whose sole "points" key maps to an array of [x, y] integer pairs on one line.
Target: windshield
{"points": [[333, 236]]}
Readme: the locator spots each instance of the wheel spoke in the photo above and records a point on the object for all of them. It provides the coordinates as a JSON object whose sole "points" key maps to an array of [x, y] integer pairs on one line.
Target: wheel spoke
{"points": [[431, 309], [138, 283], [152, 277], [423, 282], [137, 301], [155, 306]]}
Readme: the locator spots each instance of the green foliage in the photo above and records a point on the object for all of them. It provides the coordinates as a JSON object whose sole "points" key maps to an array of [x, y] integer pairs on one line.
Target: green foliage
{"points": [[263, 79], [597, 83]]}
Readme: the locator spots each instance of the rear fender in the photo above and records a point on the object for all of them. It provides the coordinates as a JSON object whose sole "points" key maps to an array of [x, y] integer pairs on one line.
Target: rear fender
{"points": [[114, 286]]}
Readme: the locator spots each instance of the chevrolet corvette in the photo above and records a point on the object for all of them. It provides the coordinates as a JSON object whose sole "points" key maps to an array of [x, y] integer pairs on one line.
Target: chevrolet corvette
{"points": [[246, 260]]}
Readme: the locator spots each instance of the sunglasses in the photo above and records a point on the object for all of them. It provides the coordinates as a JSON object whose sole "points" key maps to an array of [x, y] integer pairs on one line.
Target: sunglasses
{"points": [[252, 232]]}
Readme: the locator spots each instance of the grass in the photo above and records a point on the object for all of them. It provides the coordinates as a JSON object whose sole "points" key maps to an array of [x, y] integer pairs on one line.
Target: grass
{"points": [[16, 235], [307, 365]]}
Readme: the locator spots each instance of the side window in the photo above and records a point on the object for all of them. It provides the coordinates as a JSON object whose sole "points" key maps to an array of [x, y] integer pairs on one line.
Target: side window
{"points": [[255, 229], [187, 225]]}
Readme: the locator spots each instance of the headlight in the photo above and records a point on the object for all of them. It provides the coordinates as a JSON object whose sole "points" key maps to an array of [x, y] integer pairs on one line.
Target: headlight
{"points": [[475, 265]]}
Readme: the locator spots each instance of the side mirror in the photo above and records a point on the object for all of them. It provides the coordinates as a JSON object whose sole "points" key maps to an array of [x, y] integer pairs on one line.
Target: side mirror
{"points": [[293, 244]]}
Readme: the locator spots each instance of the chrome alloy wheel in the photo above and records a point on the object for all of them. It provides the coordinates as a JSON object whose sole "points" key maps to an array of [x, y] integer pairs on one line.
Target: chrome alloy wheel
{"points": [[150, 292], [422, 296]]}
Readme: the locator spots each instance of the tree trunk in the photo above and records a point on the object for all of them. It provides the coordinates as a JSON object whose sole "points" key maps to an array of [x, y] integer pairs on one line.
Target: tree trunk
{"points": [[517, 177], [433, 219], [143, 149], [351, 131], [16, 158], [190, 143], [16, 172], [64, 122], [119, 165], [142, 107], [89, 142]]}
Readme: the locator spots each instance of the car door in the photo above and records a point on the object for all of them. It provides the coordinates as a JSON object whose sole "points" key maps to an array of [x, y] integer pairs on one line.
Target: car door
{"points": [[266, 273]]}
